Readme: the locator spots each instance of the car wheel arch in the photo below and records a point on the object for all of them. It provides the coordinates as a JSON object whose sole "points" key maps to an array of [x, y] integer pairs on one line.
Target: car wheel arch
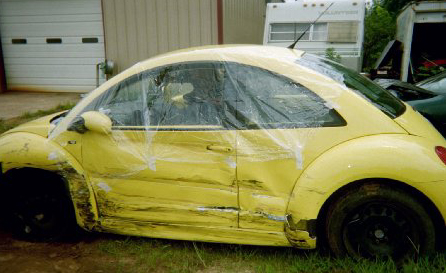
{"points": [[425, 201], [54, 181], [22, 151], [345, 165]]}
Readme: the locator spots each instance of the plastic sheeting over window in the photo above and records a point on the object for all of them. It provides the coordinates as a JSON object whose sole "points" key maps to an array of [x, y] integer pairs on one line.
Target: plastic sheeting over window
{"points": [[155, 112], [213, 95]]}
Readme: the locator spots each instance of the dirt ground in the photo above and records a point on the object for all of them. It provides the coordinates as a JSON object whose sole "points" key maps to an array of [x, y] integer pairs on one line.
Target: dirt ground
{"points": [[14, 103], [80, 255]]}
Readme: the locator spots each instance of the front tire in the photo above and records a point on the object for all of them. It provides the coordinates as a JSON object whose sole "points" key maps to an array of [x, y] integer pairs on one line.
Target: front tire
{"points": [[39, 211], [375, 220]]}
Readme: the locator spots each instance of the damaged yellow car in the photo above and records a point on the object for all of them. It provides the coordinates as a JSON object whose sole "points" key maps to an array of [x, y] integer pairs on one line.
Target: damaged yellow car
{"points": [[235, 144]]}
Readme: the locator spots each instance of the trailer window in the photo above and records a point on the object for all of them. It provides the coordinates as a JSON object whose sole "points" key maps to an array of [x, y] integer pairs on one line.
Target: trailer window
{"points": [[343, 32], [287, 32]]}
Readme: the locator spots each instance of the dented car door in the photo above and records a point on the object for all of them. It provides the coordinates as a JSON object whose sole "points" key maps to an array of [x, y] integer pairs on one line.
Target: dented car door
{"points": [[284, 127], [170, 157]]}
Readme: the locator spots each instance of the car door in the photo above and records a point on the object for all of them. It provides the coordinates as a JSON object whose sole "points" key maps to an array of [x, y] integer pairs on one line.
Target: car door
{"points": [[284, 127], [170, 157]]}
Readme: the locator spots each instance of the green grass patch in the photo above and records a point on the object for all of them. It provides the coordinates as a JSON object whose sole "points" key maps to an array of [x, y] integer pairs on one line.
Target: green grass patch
{"points": [[8, 124], [155, 255]]}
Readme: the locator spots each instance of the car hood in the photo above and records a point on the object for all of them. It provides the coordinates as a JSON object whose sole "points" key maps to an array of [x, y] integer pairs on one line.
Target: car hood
{"points": [[40, 126]]}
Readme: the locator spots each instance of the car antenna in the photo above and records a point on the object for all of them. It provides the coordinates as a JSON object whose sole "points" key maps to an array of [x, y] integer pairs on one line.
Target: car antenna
{"points": [[320, 15]]}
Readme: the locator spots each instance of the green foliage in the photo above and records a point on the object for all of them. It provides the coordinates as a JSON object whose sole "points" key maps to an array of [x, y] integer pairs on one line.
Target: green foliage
{"points": [[331, 54], [380, 28], [426, 72], [394, 6]]}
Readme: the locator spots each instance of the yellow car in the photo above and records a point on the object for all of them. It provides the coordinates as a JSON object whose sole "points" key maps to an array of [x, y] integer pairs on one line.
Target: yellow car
{"points": [[235, 144]]}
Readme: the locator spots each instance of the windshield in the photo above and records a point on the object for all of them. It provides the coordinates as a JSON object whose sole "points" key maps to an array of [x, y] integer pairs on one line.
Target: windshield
{"points": [[435, 83], [377, 95]]}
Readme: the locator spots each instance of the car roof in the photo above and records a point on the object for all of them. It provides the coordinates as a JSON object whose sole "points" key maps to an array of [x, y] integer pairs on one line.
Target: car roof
{"points": [[236, 53]]}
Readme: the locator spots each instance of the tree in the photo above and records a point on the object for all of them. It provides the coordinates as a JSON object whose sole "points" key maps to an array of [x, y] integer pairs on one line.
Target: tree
{"points": [[331, 54], [380, 27], [394, 6]]}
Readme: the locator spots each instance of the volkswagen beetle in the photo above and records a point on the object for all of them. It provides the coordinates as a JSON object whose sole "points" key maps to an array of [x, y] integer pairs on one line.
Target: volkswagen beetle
{"points": [[235, 144]]}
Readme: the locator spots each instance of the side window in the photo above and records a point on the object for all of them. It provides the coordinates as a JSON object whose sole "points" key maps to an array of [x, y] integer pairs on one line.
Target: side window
{"points": [[190, 95], [126, 103], [268, 100]]}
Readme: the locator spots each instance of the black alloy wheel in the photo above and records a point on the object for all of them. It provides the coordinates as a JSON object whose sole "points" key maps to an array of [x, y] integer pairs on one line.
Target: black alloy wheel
{"points": [[376, 221]]}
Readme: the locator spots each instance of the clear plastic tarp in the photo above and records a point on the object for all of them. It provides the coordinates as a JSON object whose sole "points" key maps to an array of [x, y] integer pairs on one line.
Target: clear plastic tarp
{"points": [[236, 97]]}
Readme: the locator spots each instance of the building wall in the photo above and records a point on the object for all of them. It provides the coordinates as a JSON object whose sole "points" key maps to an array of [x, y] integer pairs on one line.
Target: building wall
{"points": [[243, 21], [139, 29], [2, 72]]}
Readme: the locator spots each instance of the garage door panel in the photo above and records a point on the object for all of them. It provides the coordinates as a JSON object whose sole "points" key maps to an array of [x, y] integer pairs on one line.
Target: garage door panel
{"points": [[49, 54], [52, 61], [55, 81], [53, 48], [65, 40], [50, 71], [52, 88], [51, 29], [48, 7], [11, 19], [52, 44]]}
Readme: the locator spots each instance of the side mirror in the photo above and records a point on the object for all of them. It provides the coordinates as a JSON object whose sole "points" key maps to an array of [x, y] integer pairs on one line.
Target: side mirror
{"points": [[97, 122]]}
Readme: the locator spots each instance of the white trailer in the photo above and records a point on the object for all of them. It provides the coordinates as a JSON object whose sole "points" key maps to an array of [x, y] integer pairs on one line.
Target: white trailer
{"points": [[341, 27]]}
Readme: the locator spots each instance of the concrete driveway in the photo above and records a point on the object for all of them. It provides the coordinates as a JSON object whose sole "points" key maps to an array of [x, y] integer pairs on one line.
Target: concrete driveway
{"points": [[14, 104]]}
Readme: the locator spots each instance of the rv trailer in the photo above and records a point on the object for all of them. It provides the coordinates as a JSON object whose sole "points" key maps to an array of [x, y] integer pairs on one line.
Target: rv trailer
{"points": [[340, 27]]}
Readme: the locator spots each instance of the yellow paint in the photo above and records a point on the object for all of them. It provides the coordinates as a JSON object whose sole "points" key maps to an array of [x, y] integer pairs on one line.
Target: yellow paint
{"points": [[97, 122], [222, 185]]}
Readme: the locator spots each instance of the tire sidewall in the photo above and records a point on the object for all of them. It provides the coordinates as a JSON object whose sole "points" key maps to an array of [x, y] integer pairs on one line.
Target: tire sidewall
{"points": [[374, 193]]}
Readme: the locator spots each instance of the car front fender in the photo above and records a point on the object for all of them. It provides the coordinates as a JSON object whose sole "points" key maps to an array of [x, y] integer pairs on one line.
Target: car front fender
{"points": [[26, 150], [405, 158]]}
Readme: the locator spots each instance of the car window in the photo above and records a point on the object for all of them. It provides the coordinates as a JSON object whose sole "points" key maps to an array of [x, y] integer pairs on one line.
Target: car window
{"points": [[190, 94], [182, 96], [371, 91], [126, 103], [269, 100]]}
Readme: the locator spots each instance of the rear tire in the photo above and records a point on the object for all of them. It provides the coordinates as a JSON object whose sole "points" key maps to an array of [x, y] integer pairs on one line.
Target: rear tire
{"points": [[375, 220]]}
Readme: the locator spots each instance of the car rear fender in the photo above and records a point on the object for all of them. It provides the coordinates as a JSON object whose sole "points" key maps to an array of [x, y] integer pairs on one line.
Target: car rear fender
{"points": [[408, 159], [25, 150]]}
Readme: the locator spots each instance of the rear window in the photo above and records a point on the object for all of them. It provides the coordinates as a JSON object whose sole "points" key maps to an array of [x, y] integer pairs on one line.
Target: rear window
{"points": [[371, 91]]}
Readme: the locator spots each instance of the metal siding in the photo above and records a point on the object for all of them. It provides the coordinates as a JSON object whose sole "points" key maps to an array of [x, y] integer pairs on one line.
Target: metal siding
{"points": [[130, 22], [194, 22], [162, 24], [243, 21], [39, 65], [172, 24], [139, 29]]}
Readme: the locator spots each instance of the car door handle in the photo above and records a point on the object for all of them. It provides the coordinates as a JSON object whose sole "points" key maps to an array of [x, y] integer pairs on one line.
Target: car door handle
{"points": [[219, 148]]}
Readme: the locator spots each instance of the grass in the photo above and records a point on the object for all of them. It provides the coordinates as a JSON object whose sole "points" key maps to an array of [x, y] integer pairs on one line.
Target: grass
{"points": [[155, 255], [5, 125]]}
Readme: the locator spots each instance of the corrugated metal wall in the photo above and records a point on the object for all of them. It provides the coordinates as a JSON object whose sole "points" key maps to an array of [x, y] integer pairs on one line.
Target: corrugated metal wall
{"points": [[244, 21], [138, 29]]}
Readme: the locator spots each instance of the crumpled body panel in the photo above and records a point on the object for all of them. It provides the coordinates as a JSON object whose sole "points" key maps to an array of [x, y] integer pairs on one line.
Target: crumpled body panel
{"points": [[213, 143]]}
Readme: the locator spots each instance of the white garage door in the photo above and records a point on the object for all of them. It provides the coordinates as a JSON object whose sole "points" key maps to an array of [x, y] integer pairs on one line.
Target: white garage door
{"points": [[51, 45]]}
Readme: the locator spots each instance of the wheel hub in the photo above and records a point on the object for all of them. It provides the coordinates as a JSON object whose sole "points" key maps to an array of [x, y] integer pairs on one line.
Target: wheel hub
{"points": [[377, 230], [379, 234]]}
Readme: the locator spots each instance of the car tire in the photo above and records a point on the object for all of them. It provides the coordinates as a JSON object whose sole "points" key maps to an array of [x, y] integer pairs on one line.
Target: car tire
{"points": [[41, 214], [379, 221]]}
